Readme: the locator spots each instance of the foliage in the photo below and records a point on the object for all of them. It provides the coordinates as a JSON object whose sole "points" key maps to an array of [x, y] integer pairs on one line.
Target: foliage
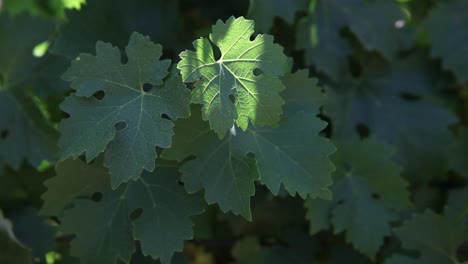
{"points": [[162, 131]]}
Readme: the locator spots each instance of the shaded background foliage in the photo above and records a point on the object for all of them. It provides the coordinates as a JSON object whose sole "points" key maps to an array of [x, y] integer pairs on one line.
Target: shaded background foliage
{"points": [[395, 77]]}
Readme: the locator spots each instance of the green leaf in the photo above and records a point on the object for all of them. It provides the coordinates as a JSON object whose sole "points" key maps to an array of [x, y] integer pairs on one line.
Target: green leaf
{"points": [[368, 19], [292, 155], [264, 11], [303, 94], [25, 134], [319, 32], [127, 122], [227, 87], [12, 250], [113, 21], [367, 188], [376, 102], [105, 230], [446, 44], [74, 178], [439, 244]]}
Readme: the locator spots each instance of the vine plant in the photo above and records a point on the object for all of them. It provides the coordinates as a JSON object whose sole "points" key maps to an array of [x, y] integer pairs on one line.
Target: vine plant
{"points": [[144, 154]]}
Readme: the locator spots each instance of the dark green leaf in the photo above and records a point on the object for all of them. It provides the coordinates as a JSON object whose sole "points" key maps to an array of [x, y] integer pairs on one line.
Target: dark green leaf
{"points": [[127, 123], [105, 229]]}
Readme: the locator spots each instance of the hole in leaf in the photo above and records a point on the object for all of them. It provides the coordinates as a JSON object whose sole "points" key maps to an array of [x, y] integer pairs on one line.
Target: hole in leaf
{"points": [[4, 134], [136, 214], [147, 87], [375, 196], [65, 114], [120, 125], [347, 167], [410, 97], [252, 38], [362, 130], [251, 155], [354, 67], [232, 98], [124, 57], [97, 196], [257, 72], [216, 52], [180, 183], [99, 95], [164, 116]]}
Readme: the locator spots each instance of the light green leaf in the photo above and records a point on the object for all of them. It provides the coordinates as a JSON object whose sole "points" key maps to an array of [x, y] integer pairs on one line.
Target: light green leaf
{"points": [[227, 87], [127, 122]]}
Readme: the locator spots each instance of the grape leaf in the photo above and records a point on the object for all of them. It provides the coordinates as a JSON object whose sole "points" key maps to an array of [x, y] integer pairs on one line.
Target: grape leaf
{"points": [[319, 32], [437, 244], [127, 122], [24, 132], [12, 250], [114, 21], [292, 155], [368, 19], [367, 188], [232, 76], [445, 44], [263, 12], [74, 178], [376, 102], [105, 230]]}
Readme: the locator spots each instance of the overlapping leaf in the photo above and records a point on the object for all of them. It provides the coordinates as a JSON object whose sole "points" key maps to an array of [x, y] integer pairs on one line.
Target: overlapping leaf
{"points": [[377, 102], [292, 155], [230, 89], [367, 187], [127, 123], [449, 44], [74, 179], [436, 237], [24, 132], [263, 12], [106, 229], [319, 33]]}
